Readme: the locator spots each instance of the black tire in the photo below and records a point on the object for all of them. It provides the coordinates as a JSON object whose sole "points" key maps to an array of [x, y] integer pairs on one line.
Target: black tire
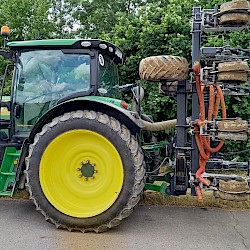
{"points": [[169, 68], [132, 161]]}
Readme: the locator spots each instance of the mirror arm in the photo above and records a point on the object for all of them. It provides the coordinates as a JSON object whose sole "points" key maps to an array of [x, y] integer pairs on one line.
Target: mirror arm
{"points": [[7, 54]]}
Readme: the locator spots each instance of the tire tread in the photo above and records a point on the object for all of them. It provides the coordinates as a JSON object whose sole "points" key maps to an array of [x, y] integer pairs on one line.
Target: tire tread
{"points": [[138, 164]]}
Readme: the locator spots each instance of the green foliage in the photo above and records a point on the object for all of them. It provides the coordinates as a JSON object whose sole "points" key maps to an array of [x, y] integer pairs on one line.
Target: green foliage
{"points": [[96, 17], [26, 18]]}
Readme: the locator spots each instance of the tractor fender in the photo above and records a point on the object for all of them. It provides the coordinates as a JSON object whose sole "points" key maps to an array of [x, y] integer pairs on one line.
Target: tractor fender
{"points": [[122, 115]]}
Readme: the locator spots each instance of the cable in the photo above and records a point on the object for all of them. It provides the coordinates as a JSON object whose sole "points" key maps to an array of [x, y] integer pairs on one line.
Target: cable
{"points": [[237, 152], [158, 167]]}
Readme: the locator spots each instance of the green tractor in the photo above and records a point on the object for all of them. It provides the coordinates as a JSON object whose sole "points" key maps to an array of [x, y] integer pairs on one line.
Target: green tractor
{"points": [[85, 155], [68, 137]]}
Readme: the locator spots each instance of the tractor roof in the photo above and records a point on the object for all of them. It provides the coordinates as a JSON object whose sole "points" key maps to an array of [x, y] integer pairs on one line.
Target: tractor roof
{"points": [[101, 45]]}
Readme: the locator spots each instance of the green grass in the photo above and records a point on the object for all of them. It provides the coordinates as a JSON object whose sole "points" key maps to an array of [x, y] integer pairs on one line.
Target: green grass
{"points": [[154, 198]]}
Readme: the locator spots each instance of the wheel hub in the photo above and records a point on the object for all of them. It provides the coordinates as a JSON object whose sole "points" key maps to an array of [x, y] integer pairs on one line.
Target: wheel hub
{"points": [[87, 170]]}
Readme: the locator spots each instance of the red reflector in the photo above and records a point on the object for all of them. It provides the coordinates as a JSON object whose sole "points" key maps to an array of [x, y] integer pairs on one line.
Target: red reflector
{"points": [[124, 105]]}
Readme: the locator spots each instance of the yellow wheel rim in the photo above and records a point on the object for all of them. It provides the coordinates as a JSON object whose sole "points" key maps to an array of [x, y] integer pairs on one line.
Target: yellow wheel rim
{"points": [[62, 179]]}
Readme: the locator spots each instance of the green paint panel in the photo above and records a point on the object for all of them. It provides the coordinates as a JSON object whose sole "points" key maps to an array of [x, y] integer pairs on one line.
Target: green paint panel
{"points": [[156, 146], [158, 188], [50, 42], [7, 171], [116, 102]]}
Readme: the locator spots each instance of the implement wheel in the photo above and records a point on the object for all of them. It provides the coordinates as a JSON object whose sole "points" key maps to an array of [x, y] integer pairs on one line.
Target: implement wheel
{"points": [[169, 68], [85, 171], [238, 14]]}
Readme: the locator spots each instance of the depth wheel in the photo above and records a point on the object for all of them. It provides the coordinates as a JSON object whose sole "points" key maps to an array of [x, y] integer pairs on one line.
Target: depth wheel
{"points": [[170, 68], [239, 13], [233, 71], [85, 171]]}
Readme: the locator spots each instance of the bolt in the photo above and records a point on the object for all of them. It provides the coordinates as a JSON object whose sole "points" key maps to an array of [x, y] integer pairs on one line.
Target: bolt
{"points": [[93, 164], [80, 176], [93, 177], [86, 178], [82, 163], [78, 169], [87, 161], [95, 171]]}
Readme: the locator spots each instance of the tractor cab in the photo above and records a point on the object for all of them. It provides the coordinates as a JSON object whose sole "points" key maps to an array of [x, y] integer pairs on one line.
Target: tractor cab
{"points": [[49, 72]]}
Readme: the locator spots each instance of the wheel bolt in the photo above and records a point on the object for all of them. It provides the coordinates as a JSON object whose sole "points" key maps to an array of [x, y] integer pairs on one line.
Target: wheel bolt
{"points": [[86, 178], [78, 169], [80, 176], [93, 177], [87, 162], [95, 171], [93, 165]]}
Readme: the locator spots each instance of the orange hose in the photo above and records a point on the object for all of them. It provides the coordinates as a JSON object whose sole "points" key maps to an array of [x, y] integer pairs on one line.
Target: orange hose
{"points": [[211, 103], [198, 87], [217, 105], [200, 144], [199, 193], [206, 140], [224, 115], [200, 171], [203, 141], [223, 104]]}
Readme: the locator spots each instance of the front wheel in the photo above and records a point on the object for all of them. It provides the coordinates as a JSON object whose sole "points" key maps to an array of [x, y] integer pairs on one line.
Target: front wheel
{"points": [[85, 171]]}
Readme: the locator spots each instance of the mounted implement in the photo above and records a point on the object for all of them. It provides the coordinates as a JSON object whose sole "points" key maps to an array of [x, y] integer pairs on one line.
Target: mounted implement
{"points": [[84, 154]]}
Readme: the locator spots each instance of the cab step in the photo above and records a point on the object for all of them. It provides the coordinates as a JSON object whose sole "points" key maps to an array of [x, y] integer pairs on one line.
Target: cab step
{"points": [[8, 171]]}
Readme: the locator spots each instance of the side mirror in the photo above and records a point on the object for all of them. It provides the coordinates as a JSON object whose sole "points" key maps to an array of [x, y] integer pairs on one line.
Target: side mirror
{"points": [[102, 91]]}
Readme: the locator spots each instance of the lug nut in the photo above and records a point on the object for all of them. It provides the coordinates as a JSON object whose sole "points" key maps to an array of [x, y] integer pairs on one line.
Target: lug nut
{"points": [[80, 176], [93, 165], [86, 178], [93, 177], [78, 169], [87, 161], [95, 171]]}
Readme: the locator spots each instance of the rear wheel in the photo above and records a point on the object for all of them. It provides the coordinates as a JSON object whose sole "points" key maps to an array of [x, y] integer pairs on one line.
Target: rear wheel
{"points": [[85, 171]]}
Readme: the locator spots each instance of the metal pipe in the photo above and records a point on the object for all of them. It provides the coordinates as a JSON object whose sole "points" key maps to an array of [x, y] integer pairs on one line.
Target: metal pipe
{"points": [[138, 94], [158, 126]]}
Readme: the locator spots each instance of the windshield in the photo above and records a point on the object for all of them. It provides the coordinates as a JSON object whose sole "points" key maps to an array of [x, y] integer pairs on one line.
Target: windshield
{"points": [[45, 76], [108, 76], [50, 75]]}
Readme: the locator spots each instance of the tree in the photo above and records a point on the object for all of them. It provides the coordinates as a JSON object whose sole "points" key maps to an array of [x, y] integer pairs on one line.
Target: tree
{"points": [[96, 17], [61, 14], [27, 18]]}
